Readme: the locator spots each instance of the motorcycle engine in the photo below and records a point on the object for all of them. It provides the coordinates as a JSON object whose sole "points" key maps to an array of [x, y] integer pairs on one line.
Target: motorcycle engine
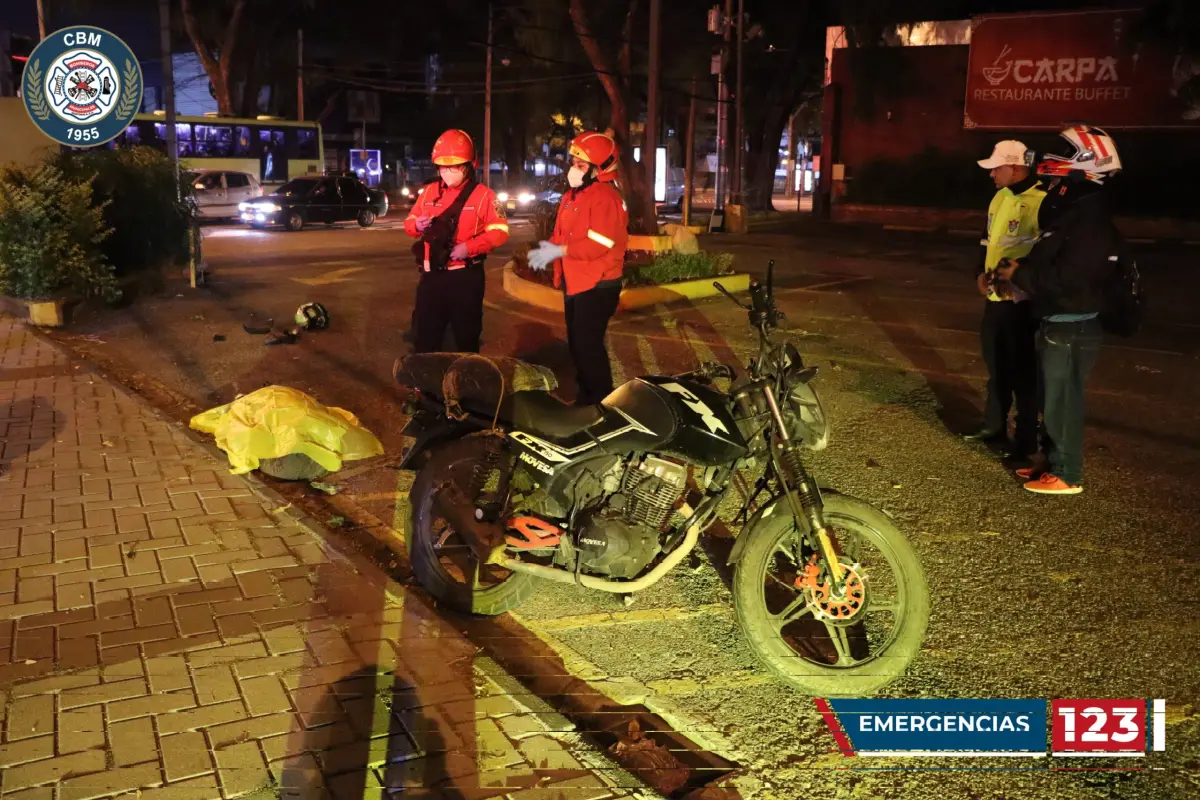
{"points": [[623, 535]]}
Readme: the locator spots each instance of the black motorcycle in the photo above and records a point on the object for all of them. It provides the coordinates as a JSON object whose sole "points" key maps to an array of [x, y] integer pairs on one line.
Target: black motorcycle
{"points": [[518, 486]]}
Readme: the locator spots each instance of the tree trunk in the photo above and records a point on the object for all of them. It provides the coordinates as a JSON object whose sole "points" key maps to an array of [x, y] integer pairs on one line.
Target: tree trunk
{"points": [[216, 66], [639, 197], [762, 158]]}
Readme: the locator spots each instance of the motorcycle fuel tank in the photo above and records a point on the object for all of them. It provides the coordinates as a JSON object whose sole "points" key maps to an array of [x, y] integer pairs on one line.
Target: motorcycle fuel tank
{"points": [[705, 432]]}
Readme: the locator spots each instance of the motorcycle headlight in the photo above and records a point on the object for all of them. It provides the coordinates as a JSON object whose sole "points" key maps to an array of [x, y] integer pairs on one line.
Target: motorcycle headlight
{"points": [[405, 192], [525, 198], [808, 423], [502, 197]]}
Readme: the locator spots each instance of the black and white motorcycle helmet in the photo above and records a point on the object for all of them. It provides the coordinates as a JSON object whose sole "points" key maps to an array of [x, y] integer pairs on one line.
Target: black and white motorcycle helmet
{"points": [[312, 317]]}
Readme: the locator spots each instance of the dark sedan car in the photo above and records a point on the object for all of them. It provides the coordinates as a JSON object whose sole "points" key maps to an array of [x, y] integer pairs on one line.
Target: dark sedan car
{"points": [[310, 200]]}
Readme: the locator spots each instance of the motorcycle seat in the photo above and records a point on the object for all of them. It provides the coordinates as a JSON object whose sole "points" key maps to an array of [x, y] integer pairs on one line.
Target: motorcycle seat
{"points": [[460, 378], [545, 416]]}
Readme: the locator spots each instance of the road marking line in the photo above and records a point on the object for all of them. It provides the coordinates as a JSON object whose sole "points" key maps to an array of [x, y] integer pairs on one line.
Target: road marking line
{"points": [[826, 285], [328, 278]]}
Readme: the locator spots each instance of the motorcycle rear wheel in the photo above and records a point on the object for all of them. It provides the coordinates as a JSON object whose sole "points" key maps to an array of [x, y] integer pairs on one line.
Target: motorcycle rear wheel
{"points": [[785, 654], [457, 580]]}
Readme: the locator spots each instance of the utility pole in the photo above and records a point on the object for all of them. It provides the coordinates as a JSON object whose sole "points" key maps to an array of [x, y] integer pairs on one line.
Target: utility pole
{"points": [[487, 109], [739, 144], [300, 74], [789, 189], [723, 112], [41, 12], [168, 78], [650, 137], [689, 165]]}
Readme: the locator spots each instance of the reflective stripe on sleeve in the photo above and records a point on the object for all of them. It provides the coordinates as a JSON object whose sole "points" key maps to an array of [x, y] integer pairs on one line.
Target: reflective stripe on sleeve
{"points": [[497, 226], [600, 238]]}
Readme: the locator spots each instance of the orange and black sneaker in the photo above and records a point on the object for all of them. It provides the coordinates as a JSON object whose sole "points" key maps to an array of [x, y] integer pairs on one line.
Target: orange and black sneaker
{"points": [[1051, 484]]}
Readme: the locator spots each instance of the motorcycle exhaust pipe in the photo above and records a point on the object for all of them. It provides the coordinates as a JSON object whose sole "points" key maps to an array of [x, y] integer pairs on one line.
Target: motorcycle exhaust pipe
{"points": [[652, 577]]}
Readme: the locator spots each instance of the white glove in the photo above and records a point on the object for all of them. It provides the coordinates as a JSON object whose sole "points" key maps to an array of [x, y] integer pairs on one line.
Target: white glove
{"points": [[545, 254]]}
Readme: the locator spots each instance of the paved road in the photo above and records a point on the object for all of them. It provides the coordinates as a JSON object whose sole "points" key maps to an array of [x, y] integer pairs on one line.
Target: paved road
{"points": [[1033, 597]]}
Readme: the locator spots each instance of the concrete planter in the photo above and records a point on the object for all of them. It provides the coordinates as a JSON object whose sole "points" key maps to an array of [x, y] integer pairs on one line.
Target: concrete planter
{"points": [[54, 313], [549, 298]]}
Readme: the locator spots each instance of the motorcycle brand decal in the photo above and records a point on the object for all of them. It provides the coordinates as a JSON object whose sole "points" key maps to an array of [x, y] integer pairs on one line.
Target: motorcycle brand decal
{"points": [[540, 466], [554, 453], [543, 449], [710, 420]]}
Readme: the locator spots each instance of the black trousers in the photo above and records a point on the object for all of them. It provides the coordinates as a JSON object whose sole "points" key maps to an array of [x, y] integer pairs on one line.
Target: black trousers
{"points": [[1009, 339], [454, 299], [588, 314]]}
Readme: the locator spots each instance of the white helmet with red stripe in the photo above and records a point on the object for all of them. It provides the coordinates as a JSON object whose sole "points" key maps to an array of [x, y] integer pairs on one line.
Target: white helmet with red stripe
{"points": [[1093, 152]]}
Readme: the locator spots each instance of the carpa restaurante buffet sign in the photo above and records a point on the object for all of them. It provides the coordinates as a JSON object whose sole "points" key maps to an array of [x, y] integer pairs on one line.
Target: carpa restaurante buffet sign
{"points": [[1040, 71]]}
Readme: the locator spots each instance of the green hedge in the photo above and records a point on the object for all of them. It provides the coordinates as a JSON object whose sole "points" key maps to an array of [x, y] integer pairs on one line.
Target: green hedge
{"points": [[677, 267], [136, 187], [52, 235]]}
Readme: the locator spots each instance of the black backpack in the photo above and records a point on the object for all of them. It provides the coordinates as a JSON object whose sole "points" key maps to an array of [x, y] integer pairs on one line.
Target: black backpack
{"points": [[1124, 301], [438, 239]]}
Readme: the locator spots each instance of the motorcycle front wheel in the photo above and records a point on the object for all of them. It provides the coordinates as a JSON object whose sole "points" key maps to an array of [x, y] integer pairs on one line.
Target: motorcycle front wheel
{"points": [[443, 562], [822, 647]]}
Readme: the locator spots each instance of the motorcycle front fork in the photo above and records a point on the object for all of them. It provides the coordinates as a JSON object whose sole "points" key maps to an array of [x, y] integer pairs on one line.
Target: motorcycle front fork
{"points": [[803, 496]]}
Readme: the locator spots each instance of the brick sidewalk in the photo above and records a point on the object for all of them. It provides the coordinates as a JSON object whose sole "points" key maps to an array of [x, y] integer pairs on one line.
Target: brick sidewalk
{"points": [[168, 631]]}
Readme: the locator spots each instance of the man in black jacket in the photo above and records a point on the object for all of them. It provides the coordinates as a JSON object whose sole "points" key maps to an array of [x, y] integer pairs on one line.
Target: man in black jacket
{"points": [[1065, 274]]}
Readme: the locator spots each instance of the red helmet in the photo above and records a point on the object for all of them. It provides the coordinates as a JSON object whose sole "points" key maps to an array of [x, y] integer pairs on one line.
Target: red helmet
{"points": [[453, 147], [598, 149]]}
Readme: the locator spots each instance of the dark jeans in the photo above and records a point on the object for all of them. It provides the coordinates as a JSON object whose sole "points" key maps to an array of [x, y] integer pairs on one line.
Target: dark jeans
{"points": [[451, 298], [1068, 351], [1007, 336], [588, 314]]}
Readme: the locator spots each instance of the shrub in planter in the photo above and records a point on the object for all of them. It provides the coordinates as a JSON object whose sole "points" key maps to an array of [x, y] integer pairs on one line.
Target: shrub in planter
{"points": [[52, 236], [136, 187], [678, 267]]}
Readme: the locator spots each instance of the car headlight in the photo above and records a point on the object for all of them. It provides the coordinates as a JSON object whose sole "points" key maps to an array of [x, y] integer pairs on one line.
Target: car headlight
{"points": [[266, 207], [502, 197], [525, 198], [405, 192], [243, 206]]}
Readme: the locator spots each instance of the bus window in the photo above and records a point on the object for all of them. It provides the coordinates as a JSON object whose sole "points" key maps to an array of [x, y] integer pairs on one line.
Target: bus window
{"points": [[273, 138], [214, 141], [272, 159], [306, 144], [183, 136], [132, 136], [241, 141]]}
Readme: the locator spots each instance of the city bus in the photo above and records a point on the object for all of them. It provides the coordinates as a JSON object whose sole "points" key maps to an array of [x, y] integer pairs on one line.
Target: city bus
{"points": [[276, 150]]}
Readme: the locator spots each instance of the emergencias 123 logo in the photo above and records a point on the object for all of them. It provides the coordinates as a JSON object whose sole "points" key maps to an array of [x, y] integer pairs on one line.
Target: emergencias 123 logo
{"points": [[82, 86]]}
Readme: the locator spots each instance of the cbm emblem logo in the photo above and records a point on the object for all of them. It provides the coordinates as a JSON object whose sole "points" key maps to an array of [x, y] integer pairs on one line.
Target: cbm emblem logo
{"points": [[82, 86]]}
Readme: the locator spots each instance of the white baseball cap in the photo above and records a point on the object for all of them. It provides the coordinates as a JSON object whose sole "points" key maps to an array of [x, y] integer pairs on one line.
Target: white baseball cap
{"points": [[1009, 151]]}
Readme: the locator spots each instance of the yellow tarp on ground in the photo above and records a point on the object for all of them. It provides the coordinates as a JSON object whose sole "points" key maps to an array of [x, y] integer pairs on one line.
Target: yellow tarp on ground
{"points": [[277, 421]]}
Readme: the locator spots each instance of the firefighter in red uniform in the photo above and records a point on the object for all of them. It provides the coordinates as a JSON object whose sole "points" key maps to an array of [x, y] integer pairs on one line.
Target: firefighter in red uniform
{"points": [[450, 252], [588, 253]]}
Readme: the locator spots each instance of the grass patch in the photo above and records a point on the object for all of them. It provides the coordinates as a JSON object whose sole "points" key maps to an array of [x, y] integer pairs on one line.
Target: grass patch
{"points": [[678, 267]]}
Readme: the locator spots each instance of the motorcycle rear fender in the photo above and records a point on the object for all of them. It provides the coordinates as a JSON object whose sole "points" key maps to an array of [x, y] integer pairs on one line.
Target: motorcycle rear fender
{"points": [[776, 505]]}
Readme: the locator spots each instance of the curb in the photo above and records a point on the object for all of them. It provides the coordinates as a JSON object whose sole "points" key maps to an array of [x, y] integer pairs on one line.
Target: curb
{"points": [[549, 298]]}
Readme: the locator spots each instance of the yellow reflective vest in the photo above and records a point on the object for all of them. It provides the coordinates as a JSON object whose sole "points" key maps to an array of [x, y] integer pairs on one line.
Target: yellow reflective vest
{"points": [[1012, 229]]}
